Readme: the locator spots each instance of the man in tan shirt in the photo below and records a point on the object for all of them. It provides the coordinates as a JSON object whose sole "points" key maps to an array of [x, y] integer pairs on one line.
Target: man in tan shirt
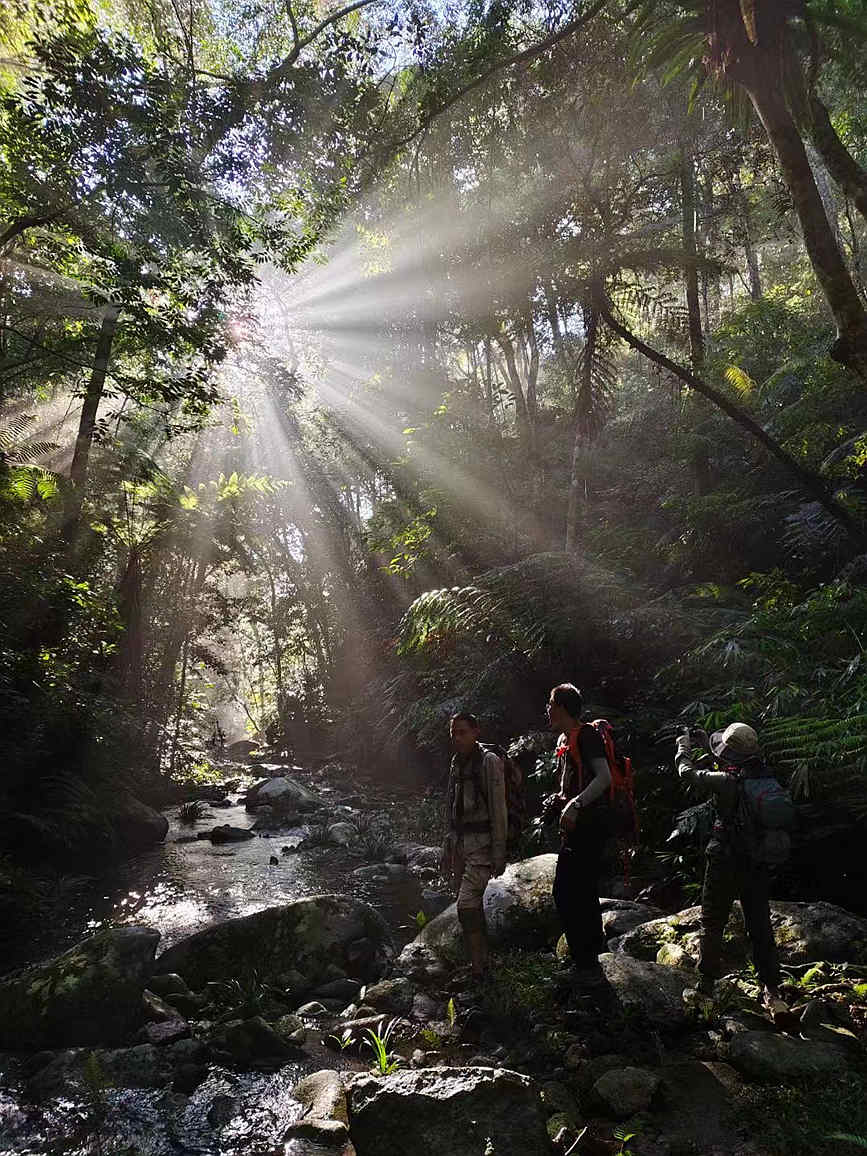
{"points": [[475, 847]]}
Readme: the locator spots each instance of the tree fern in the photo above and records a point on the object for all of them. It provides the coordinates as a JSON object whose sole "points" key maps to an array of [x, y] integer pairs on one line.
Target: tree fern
{"points": [[26, 476]]}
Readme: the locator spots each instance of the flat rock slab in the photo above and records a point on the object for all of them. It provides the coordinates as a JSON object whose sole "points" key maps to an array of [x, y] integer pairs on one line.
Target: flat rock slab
{"points": [[303, 937], [779, 1059], [459, 1111], [91, 994]]}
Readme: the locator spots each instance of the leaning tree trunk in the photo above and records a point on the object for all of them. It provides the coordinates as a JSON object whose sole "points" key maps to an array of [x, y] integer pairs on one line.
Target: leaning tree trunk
{"points": [[809, 482], [850, 348], [844, 169], [87, 423]]}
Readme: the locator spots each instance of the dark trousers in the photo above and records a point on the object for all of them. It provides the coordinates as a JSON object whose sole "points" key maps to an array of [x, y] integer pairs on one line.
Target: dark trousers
{"points": [[728, 877], [576, 894]]}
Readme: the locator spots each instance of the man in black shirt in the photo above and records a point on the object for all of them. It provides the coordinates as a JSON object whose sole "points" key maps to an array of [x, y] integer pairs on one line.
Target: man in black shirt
{"points": [[585, 781]]}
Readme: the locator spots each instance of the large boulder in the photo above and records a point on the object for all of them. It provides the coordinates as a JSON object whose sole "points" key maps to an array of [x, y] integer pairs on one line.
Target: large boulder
{"points": [[804, 932], [647, 991], [461, 1111], [136, 826], [285, 795], [302, 937], [91, 994], [519, 912]]}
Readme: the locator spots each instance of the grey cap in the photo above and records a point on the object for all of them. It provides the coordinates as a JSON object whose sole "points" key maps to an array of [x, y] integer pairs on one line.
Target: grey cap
{"points": [[737, 743]]}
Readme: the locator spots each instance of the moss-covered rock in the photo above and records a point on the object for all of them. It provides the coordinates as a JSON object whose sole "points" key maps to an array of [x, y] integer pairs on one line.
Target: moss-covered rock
{"points": [[303, 937], [91, 994], [803, 931]]}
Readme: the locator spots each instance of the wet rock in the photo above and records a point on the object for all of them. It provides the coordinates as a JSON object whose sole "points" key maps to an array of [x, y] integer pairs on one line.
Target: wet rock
{"points": [[305, 936], [286, 795], [168, 985], [292, 1028], [648, 990], [229, 834], [90, 994], [519, 911], [141, 1066], [135, 824], [625, 1091], [314, 1008], [324, 1116], [394, 995], [165, 1032], [338, 989], [803, 931], [342, 834], [415, 855], [189, 1004], [380, 871], [253, 1041], [462, 1111], [156, 1010], [778, 1059]]}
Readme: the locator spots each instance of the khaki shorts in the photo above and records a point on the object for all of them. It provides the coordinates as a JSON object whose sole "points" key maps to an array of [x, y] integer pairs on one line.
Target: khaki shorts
{"points": [[473, 880]]}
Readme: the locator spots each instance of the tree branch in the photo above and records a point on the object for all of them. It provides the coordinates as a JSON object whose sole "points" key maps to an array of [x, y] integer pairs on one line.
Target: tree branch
{"points": [[522, 57], [280, 71], [808, 481]]}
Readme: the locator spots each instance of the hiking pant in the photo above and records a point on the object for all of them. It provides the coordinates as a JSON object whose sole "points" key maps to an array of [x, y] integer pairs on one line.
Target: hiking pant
{"points": [[728, 877], [576, 893], [472, 873]]}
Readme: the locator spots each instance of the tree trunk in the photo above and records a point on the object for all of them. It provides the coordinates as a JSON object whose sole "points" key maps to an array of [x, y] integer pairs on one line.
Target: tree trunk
{"points": [[693, 306], [809, 482], [752, 257], [513, 380], [845, 170], [583, 424], [131, 650], [850, 347], [87, 422]]}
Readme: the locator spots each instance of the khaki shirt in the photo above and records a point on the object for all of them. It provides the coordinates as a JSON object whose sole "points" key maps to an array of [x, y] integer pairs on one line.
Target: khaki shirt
{"points": [[486, 806]]}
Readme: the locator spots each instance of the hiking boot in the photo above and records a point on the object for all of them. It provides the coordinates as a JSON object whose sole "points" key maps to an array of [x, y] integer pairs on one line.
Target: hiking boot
{"points": [[774, 1004]]}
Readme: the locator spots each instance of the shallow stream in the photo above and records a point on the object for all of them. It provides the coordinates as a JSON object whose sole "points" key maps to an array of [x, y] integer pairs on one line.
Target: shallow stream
{"points": [[178, 887]]}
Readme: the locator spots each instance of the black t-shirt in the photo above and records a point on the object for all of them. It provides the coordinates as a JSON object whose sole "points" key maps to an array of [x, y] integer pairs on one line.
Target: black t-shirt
{"points": [[590, 747]]}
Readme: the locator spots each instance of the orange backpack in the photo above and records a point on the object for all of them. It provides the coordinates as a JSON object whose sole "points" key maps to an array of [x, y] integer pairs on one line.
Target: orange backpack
{"points": [[624, 817]]}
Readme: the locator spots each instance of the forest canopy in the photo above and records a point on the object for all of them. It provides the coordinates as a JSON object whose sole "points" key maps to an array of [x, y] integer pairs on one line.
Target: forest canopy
{"points": [[362, 362]]}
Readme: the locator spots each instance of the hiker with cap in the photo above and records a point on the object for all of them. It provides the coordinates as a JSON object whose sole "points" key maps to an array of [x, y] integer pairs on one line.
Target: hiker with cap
{"points": [[736, 865], [477, 820]]}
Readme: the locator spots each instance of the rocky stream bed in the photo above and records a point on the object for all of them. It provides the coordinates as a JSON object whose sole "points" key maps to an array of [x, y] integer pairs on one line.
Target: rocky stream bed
{"points": [[266, 989]]}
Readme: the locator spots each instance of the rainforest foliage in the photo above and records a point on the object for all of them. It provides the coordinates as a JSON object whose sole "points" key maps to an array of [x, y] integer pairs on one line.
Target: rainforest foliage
{"points": [[358, 363]]}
